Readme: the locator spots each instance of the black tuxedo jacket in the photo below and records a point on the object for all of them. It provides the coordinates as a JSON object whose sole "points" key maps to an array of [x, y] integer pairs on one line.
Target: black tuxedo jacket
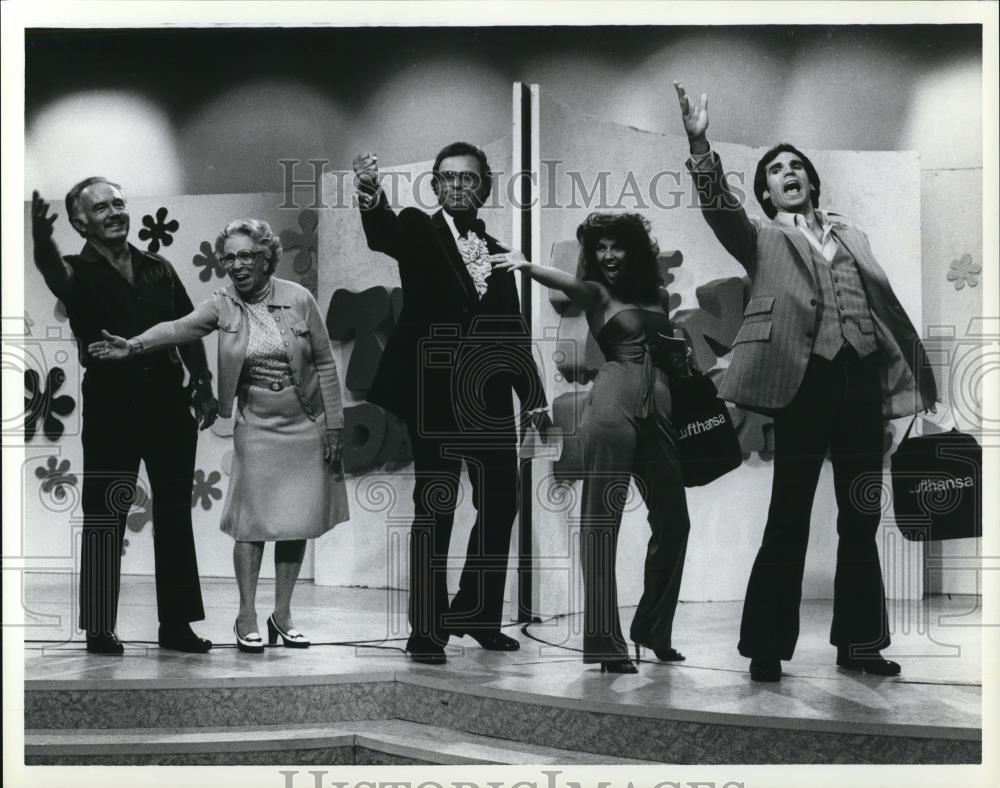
{"points": [[453, 360]]}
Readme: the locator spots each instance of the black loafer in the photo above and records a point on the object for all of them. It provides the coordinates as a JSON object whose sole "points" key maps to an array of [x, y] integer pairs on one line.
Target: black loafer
{"points": [[107, 645], [428, 655], [868, 662], [179, 637], [492, 641], [426, 651], [765, 669]]}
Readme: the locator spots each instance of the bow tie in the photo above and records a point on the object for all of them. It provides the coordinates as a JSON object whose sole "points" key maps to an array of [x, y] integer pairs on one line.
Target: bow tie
{"points": [[464, 222]]}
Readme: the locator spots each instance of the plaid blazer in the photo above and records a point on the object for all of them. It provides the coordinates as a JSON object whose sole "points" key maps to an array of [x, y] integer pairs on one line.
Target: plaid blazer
{"points": [[781, 319]]}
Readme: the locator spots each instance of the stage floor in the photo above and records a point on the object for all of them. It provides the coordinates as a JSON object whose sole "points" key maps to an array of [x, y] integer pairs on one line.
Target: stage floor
{"points": [[360, 633]]}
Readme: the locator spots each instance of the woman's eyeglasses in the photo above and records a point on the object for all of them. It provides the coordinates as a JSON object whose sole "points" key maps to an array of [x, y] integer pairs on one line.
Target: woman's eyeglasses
{"points": [[244, 256]]}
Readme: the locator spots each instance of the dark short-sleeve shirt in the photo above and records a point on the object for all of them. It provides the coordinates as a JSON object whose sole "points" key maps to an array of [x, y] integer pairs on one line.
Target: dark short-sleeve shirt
{"points": [[101, 298]]}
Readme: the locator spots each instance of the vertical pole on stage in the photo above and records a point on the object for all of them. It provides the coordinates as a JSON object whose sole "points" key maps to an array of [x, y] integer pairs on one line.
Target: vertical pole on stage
{"points": [[524, 229]]}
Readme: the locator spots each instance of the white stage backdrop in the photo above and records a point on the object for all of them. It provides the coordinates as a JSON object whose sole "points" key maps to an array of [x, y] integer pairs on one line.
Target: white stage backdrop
{"points": [[586, 165]]}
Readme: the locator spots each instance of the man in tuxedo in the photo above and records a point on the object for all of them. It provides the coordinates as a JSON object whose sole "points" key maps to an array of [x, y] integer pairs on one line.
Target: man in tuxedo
{"points": [[132, 411], [827, 349], [456, 356]]}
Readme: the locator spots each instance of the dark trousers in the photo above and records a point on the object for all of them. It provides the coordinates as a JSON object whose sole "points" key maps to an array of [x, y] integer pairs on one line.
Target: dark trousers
{"points": [[838, 407], [493, 473], [155, 426], [617, 447]]}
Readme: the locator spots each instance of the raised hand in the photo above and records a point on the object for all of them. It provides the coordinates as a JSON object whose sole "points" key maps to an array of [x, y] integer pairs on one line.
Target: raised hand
{"points": [[366, 178], [695, 119], [111, 348], [41, 222]]}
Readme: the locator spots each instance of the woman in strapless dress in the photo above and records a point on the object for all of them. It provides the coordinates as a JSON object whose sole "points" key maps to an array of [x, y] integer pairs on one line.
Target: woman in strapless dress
{"points": [[626, 433]]}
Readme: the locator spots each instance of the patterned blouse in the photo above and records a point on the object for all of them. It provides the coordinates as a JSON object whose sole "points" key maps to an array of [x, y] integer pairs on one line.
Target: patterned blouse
{"points": [[266, 361]]}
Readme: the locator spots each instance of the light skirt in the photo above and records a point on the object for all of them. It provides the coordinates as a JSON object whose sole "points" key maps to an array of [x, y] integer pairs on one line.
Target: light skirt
{"points": [[280, 488]]}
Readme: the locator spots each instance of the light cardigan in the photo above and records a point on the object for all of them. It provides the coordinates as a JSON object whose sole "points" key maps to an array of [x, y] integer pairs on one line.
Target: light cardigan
{"points": [[303, 333]]}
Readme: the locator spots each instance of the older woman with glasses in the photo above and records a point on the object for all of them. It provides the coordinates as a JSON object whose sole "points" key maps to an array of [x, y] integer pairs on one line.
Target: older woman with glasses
{"points": [[275, 360]]}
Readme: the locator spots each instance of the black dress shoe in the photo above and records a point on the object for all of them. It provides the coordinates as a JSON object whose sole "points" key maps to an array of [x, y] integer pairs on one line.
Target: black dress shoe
{"points": [[427, 655], [108, 645], [425, 650], [765, 669], [867, 661], [492, 641], [179, 637]]}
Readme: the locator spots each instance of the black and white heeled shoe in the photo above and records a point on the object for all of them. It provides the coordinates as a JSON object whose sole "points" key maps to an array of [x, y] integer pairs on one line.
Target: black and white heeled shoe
{"points": [[290, 639], [250, 643]]}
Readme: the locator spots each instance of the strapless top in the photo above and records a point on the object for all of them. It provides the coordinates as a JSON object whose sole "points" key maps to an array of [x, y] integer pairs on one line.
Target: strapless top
{"points": [[631, 336], [627, 335]]}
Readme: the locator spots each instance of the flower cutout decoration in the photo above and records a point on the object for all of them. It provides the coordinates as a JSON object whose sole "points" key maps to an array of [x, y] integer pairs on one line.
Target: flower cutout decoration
{"points": [[158, 231], [204, 489], [28, 323], [306, 242], [55, 477], [206, 260], [45, 406], [964, 272]]}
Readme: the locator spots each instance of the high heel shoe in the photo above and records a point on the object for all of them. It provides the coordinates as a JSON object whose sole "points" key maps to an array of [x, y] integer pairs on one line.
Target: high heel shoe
{"points": [[662, 654], [250, 643], [618, 666], [290, 639]]}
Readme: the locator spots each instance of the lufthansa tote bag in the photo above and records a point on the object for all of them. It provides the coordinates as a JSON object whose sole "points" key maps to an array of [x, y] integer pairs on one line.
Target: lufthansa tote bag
{"points": [[937, 485]]}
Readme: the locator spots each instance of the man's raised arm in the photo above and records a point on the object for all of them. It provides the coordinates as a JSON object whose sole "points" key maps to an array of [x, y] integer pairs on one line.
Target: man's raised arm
{"points": [[380, 223], [720, 207], [57, 273]]}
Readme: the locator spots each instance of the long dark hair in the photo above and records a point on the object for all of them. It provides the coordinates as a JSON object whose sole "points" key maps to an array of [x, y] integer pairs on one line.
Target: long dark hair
{"points": [[640, 280]]}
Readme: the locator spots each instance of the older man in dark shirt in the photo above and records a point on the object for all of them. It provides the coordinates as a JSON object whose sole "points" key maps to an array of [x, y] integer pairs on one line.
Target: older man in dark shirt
{"points": [[137, 410]]}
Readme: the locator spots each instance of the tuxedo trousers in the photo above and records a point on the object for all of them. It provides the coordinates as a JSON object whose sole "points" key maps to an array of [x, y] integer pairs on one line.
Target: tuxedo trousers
{"points": [[838, 408], [491, 461]]}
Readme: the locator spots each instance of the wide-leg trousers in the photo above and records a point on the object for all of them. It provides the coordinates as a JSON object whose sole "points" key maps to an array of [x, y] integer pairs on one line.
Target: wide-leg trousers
{"points": [[837, 408], [620, 446]]}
